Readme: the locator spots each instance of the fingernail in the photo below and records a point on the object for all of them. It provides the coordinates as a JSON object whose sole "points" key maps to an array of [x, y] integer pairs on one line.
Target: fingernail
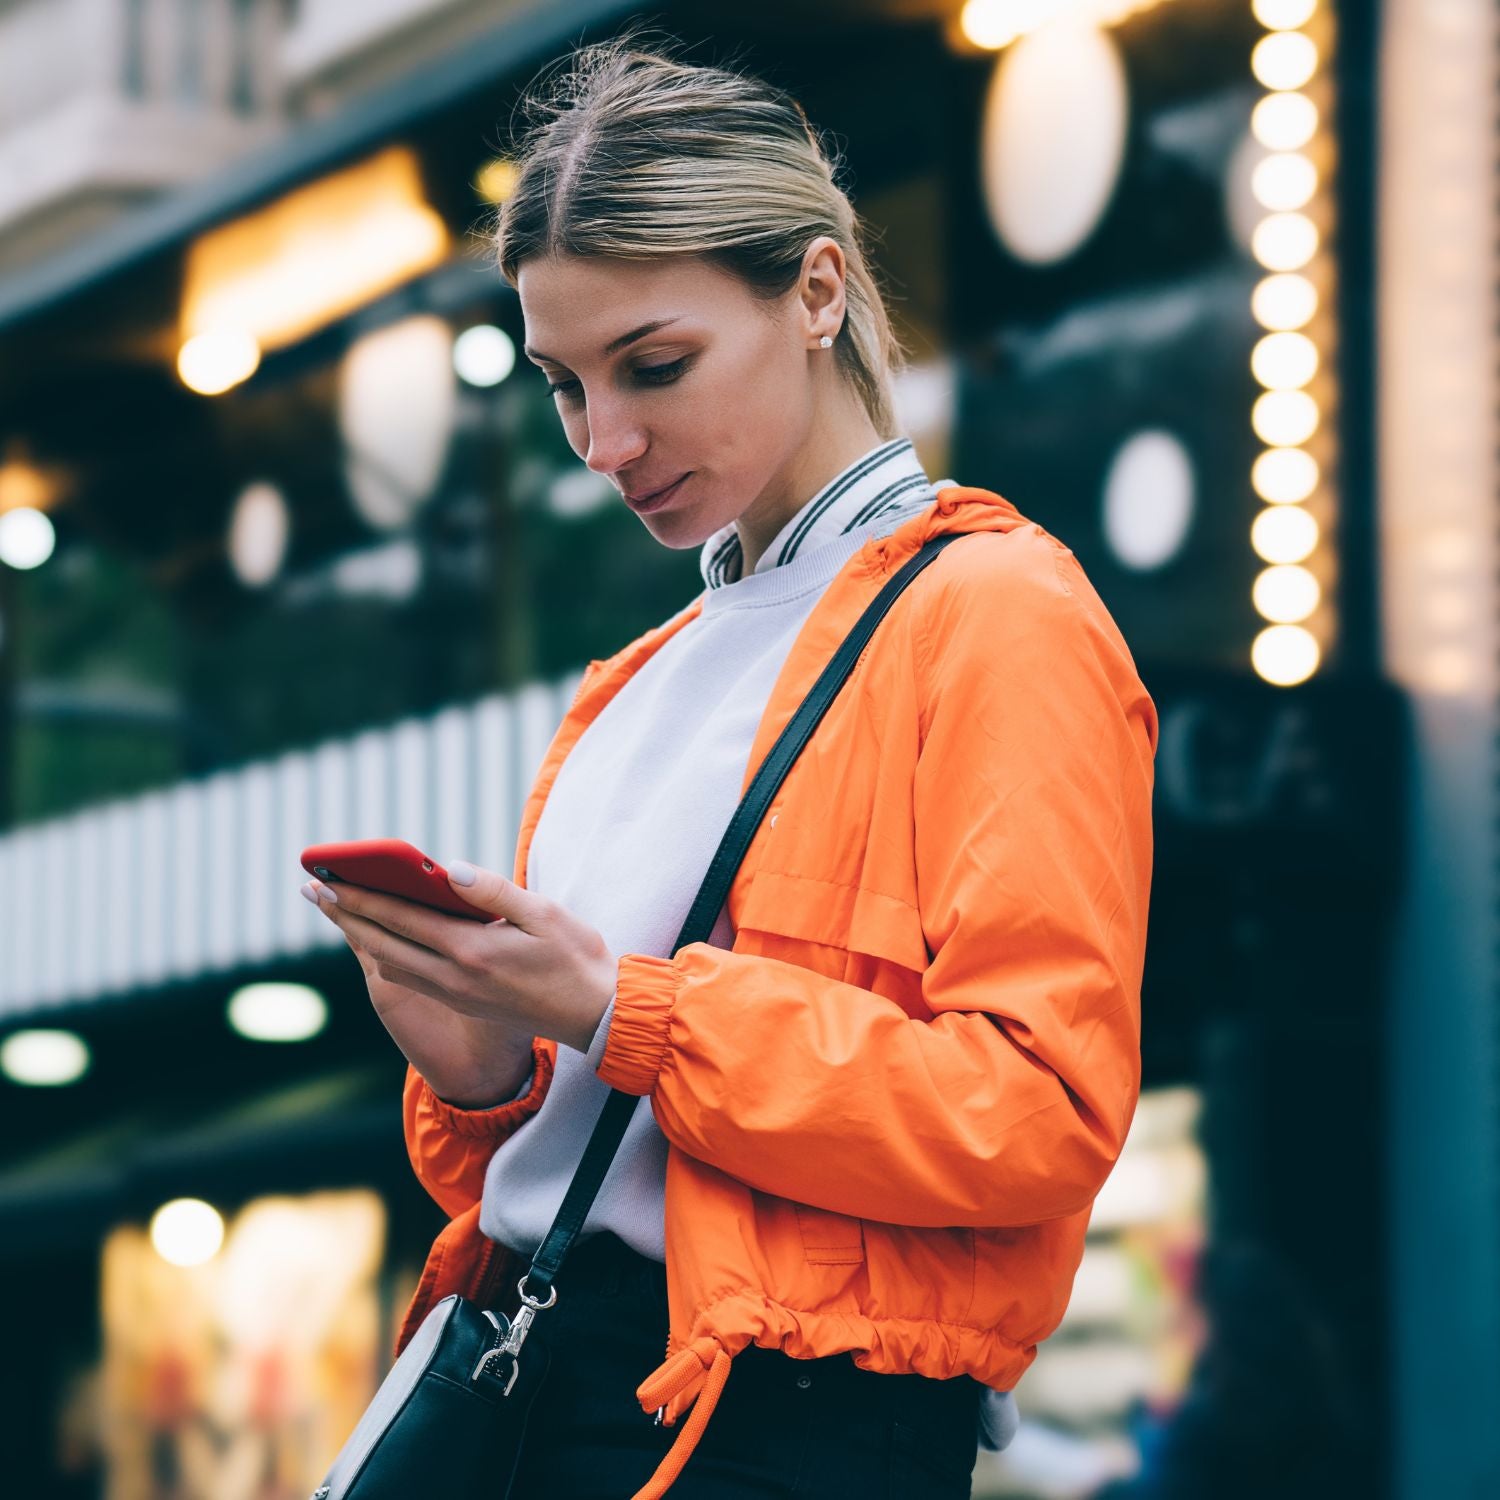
{"points": [[323, 892], [307, 891], [462, 872]]}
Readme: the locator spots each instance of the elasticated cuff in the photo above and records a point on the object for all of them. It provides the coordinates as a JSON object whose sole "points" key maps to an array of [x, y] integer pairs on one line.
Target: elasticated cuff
{"points": [[496, 1119], [644, 999]]}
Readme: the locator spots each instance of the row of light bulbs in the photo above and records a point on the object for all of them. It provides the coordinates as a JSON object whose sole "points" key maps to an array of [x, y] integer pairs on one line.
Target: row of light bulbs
{"points": [[1286, 360]]}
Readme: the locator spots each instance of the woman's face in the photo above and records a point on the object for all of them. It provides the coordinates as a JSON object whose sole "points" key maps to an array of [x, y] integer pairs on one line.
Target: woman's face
{"points": [[670, 368]]}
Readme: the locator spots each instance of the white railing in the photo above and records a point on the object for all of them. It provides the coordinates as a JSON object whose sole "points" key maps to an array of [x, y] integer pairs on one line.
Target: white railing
{"points": [[201, 878]]}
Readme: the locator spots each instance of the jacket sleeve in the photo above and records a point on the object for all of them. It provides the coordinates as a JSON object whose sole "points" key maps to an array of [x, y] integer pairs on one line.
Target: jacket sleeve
{"points": [[1033, 849], [451, 1147]]}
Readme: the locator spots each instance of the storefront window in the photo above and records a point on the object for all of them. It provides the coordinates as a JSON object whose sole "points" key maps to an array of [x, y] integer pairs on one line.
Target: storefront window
{"points": [[240, 1377]]}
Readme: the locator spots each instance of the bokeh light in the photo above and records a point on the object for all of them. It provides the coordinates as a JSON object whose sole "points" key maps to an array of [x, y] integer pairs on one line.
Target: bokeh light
{"points": [[212, 363], [484, 355], [1286, 593], [27, 538], [187, 1231], [277, 1012], [43, 1057], [1284, 534], [1285, 654]]}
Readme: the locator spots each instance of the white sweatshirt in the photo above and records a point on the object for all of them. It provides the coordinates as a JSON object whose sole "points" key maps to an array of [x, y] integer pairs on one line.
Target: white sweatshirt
{"points": [[638, 808]]}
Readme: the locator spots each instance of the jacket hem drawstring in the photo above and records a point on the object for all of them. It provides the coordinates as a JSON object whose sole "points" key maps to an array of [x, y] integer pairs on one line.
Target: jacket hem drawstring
{"points": [[684, 1370]]}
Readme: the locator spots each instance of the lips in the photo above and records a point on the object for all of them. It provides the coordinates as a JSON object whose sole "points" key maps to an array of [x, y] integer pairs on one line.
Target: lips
{"points": [[649, 499]]}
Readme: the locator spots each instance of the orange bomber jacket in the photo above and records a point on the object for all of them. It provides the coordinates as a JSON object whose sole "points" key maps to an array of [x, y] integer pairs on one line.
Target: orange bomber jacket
{"points": [[890, 1105]]}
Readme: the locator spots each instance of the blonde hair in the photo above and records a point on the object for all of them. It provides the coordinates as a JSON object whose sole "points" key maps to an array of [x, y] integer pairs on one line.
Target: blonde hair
{"points": [[631, 154]]}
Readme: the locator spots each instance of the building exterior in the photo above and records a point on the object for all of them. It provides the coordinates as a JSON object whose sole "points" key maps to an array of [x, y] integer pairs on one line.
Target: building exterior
{"points": [[337, 577]]}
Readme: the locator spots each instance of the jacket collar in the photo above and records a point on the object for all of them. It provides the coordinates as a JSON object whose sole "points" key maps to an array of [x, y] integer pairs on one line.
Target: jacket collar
{"points": [[886, 480], [955, 507]]}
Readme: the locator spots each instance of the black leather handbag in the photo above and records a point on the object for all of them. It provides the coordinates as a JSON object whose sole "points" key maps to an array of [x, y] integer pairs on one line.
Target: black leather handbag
{"points": [[451, 1408], [450, 1416]]}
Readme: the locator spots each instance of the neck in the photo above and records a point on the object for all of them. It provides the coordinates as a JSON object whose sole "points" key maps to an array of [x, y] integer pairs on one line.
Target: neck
{"points": [[830, 448]]}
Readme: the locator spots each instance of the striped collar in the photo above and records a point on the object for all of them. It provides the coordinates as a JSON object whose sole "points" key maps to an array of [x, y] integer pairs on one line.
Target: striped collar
{"points": [[886, 479]]}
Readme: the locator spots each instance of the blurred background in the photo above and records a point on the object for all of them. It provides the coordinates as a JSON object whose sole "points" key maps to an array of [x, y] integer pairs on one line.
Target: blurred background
{"points": [[292, 549]]}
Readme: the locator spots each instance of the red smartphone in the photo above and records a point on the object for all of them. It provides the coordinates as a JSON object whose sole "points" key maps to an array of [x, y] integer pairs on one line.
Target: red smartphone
{"points": [[392, 866]]}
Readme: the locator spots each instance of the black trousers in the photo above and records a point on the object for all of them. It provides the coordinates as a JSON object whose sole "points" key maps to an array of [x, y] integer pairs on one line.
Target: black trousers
{"points": [[782, 1426]]}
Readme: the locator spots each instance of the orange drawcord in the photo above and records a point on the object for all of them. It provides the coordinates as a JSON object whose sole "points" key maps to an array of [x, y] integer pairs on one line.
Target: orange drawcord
{"points": [[675, 1376]]}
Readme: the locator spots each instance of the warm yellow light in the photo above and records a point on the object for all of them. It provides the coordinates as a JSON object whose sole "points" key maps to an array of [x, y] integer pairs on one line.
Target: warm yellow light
{"points": [[497, 180], [1284, 122], [1284, 301], [1286, 593], [1284, 361], [993, 24], [1285, 654], [1285, 242], [320, 251], [1283, 534], [1283, 419], [23, 484], [1284, 476], [1283, 15], [187, 1231], [1284, 60], [989, 23], [211, 363], [1283, 181]]}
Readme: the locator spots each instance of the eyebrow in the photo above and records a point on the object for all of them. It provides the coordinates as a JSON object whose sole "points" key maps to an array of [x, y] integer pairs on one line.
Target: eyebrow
{"points": [[614, 345]]}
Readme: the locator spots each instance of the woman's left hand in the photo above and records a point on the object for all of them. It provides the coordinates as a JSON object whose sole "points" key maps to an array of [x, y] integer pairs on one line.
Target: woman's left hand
{"points": [[537, 967]]}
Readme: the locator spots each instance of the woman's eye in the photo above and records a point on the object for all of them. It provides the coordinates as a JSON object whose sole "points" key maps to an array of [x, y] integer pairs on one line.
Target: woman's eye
{"points": [[661, 374], [647, 374]]}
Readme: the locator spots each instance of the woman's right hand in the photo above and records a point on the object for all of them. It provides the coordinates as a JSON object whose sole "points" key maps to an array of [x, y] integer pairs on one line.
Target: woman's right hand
{"points": [[467, 1061]]}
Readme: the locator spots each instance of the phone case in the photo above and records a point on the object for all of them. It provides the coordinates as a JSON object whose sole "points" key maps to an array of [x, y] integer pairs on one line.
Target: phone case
{"points": [[392, 866]]}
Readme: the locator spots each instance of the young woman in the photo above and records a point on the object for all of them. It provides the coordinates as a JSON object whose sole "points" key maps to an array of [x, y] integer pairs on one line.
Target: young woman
{"points": [[876, 1106]]}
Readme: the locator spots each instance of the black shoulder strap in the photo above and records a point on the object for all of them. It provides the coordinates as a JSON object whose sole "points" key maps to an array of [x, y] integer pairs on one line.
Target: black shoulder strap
{"points": [[619, 1106]]}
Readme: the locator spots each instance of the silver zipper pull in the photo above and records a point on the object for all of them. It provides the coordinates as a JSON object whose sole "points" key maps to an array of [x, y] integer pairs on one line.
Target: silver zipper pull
{"points": [[516, 1336], [511, 1344]]}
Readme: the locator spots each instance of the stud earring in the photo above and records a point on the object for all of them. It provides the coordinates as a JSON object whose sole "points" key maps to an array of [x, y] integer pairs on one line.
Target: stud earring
{"points": [[825, 342]]}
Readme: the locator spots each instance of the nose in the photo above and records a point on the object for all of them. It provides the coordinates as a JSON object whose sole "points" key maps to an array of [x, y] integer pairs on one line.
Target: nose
{"points": [[615, 439]]}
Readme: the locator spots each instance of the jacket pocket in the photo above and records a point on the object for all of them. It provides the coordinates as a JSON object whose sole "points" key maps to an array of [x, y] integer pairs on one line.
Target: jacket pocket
{"points": [[830, 1239], [850, 918]]}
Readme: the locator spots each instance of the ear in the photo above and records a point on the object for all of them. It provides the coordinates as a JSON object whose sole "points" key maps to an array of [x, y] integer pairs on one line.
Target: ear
{"points": [[821, 289]]}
